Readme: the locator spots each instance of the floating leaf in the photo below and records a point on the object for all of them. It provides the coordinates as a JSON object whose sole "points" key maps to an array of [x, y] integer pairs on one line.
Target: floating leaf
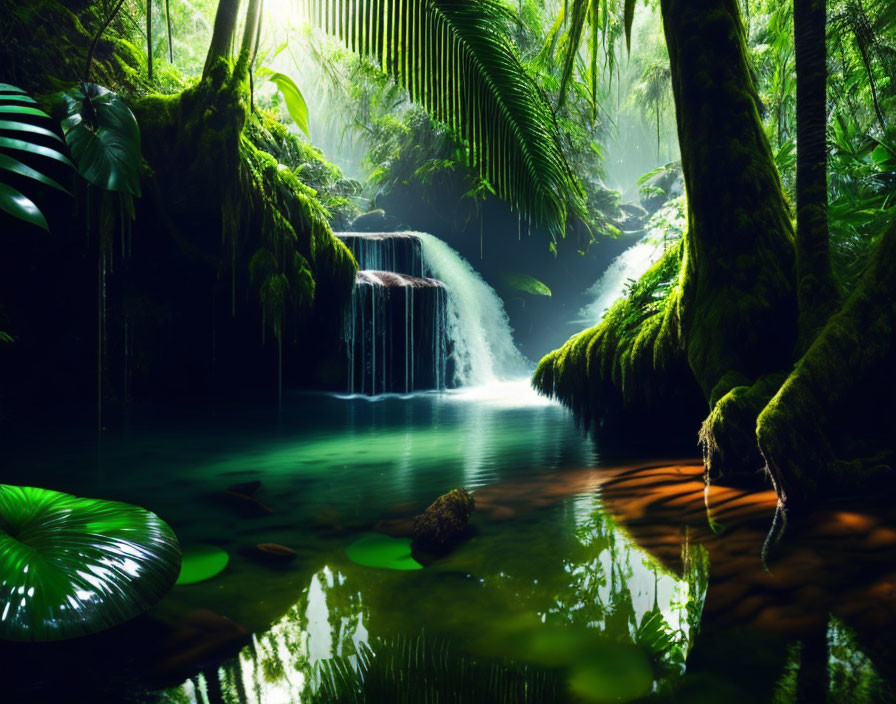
{"points": [[71, 566], [526, 284], [104, 138], [378, 550], [201, 562]]}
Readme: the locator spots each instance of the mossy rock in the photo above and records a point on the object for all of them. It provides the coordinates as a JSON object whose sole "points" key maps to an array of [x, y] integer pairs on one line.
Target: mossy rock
{"points": [[444, 524]]}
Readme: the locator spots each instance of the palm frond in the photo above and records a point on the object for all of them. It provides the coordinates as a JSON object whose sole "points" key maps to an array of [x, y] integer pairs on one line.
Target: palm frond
{"points": [[21, 109], [579, 17], [457, 60], [596, 15]]}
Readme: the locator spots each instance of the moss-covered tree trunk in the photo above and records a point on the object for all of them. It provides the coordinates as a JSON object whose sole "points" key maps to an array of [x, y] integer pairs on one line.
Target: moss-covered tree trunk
{"points": [[738, 304], [221, 45], [817, 290], [829, 429]]}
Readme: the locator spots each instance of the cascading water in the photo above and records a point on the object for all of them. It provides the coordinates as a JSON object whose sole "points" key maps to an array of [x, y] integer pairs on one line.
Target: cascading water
{"points": [[630, 265], [482, 347], [405, 332], [399, 252], [395, 334]]}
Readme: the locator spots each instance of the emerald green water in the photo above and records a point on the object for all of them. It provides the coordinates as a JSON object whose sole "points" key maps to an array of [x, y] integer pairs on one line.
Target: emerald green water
{"points": [[578, 584]]}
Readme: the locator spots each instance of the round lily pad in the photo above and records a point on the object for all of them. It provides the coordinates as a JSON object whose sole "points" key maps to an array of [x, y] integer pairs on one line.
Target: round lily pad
{"points": [[202, 562], [71, 566], [378, 550]]}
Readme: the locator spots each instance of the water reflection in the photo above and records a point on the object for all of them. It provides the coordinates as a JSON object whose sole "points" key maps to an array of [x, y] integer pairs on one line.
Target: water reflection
{"points": [[573, 568], [575, 603]]}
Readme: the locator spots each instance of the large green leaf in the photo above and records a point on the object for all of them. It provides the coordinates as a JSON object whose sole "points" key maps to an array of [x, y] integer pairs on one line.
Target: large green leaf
{"points": [[295, 101], [22, 110], [32, 148], [21, 206], [71, 566], [7, 163], [12, 200], [16, 126], [104, 138]]}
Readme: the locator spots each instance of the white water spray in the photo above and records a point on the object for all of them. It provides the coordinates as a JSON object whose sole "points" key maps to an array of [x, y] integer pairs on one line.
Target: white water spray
{"points": [[482, 341], [630, 265]]}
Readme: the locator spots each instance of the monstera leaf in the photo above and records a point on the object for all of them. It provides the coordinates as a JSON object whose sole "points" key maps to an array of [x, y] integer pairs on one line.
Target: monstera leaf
{"points": [[71, 566], [104, 138], [21, 138]]}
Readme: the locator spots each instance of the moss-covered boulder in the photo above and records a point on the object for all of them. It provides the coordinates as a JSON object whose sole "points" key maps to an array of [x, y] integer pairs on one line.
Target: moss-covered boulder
{"points": [[444, 524]]}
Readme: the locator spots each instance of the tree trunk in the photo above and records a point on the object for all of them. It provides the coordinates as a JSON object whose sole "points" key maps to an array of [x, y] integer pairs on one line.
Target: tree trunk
{"points": [[149, 38], [221, 45], [738, 306], [828, 430], [168, 22], [817, 290]]}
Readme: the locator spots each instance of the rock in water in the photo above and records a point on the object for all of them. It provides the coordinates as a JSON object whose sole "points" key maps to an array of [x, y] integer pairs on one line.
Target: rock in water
{"points": [[441, 526], [247, 488], [273, 552]]}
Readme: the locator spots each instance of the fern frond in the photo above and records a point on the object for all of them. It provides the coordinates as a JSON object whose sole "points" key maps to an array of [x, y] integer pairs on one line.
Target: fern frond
{"points": [[457, 60]]}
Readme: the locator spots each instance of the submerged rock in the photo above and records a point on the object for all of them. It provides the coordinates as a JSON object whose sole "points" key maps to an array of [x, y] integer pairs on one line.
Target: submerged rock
{"points": [[201, 638], [441, 526], [243, 504], [272, 552], [246, 488]]}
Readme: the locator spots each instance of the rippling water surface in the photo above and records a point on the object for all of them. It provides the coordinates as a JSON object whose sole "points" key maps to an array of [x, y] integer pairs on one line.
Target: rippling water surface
{"points": [[583, 580]]}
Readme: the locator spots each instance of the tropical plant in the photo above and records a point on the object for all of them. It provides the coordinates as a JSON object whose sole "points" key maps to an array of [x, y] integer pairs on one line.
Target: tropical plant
{"points": [[18, 112], [292, 96], [104, 138], [71, 566], [458, 61]]}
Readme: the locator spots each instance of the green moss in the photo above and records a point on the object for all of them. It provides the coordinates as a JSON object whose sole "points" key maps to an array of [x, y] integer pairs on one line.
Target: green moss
{"points": [[45, 46], [631, 365], [205, 147], [828, 430]]}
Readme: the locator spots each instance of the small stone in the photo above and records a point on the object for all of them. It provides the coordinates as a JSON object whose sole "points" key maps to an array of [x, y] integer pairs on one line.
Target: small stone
{"points": [[247, 488], [201, 638], [245, 504], [276, 553]]}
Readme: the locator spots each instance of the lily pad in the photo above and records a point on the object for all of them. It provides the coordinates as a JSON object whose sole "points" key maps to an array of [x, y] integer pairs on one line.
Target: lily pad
{"points": [[71, 566], [202, 562], [378, 550]]}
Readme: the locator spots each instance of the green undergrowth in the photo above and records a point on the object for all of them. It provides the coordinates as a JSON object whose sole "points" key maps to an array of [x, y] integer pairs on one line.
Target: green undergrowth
{"points": [[204, 146], [633, 362], [45, 43]]}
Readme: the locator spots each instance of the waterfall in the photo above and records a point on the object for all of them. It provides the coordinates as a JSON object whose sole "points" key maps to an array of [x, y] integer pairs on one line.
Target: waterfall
{"points": [[630, 265], [482, 347], [399, 252], [405, 332], [395, 334]]}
